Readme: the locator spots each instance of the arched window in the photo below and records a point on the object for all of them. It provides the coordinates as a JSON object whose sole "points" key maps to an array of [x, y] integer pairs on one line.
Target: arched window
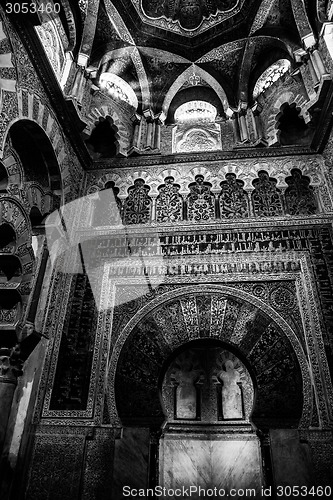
{"points": [[36, 154], [118, 89], [196, 129], [270, 75]]}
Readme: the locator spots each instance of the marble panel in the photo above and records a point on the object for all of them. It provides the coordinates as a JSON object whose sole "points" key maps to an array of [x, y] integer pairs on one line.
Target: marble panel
{"points": [[291, 458], [224, 462], [131, 461]]}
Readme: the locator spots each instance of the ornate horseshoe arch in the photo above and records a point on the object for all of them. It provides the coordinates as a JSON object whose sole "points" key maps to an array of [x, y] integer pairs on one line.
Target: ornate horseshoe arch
{"points": [[222, 294]]}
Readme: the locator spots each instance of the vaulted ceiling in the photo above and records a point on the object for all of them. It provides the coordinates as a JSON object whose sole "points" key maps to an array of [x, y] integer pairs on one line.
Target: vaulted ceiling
{"points": [[150, 43]]}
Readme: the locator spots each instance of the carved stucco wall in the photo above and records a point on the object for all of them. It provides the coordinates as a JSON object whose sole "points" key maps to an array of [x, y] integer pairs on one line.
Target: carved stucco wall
{"points": [[214, 172]]}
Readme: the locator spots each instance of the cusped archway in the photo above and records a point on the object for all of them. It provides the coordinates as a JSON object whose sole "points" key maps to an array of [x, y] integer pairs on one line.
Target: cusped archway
{"points": [[236, 321]]}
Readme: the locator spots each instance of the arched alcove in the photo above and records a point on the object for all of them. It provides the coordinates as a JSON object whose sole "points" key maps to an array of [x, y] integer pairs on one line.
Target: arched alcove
{"points": [[204, 381], [102, 142], [10, 269], [3, 178], [292, 127], [7, 239], [36, 154], [218, 342], [210, 316]]}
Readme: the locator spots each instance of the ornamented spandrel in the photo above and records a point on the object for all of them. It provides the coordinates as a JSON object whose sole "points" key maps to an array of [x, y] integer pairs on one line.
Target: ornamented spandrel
{"points": [[138, 203], [266, 197], [299, 195], [169, 203], [200, 201], [233, 199]]}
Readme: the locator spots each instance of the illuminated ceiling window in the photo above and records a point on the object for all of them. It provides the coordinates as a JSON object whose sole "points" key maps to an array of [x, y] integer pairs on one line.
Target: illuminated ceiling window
{"points": [[195, 111], [270, 75], [118, 89]]}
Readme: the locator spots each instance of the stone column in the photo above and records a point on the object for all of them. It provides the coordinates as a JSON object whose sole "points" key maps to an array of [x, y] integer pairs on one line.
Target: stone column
{"points": [[235, 127], [318, 63], [67, 69], [313, 74], [153, 209], [243, 127], [10, 370], [249, 194], [78, 85], [137, 125], [157, 138], [257, 125], [149, 138], [159, 119], [149, 117]]}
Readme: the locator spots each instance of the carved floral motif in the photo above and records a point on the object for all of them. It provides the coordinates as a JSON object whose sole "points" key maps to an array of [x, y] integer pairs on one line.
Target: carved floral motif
{"points": [[169, 203], [200, 201], [233, 199], [266, 197], [137, 204], [299, 195]]}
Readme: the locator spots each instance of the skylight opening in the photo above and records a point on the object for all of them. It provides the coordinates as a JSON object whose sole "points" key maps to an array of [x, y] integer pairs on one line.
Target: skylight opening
{"points": [[118, 89], [195, 111], [270, 75]]}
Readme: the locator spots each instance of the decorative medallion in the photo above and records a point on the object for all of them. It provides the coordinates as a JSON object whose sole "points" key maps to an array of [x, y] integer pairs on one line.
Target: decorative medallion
{"points": [[188, 17], [282, 299]]}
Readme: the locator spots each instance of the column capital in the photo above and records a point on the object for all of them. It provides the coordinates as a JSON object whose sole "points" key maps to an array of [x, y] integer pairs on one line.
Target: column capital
{"points": [[148, 114], [136, 118], [326, 29], [299, 55], [160, 117], [308, 41], [242, 107], [82, 60], [257, 108]]}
